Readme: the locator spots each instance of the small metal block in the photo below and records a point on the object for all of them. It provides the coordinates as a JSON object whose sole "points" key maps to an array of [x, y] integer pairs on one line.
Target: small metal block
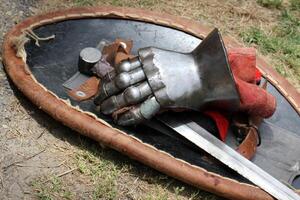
{"points": [[87, 59], [90, 55]]}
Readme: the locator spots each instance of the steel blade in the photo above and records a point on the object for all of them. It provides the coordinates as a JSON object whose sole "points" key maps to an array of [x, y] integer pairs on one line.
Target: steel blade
{"points": [[207, 142]]}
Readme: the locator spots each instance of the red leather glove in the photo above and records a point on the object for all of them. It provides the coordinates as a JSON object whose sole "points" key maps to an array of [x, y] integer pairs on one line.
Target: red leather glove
{"points": [[254, 100]]}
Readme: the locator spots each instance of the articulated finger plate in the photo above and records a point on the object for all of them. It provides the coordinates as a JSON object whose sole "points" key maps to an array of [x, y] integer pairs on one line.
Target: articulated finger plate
{"points": [[129, 65], [102, 94], [144, 111], [113, 84], [106, 89], [130, 96], [126, 79]]}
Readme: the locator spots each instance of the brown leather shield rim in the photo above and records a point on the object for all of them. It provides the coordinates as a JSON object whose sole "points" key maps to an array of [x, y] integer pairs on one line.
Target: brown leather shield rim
{"points": [[90, 126]]}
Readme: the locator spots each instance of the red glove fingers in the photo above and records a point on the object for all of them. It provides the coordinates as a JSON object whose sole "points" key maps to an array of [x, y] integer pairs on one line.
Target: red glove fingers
{"points": [[243, 63], [255, 100]]}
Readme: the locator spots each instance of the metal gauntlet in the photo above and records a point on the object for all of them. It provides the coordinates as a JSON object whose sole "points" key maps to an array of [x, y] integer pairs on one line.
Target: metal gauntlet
{"points": [[160, 78]]}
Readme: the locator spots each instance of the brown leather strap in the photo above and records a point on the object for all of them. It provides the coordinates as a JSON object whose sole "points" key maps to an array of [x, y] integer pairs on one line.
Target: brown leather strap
{"points": [[86, 90], [248, 147], [120, 56], [119, 46]]}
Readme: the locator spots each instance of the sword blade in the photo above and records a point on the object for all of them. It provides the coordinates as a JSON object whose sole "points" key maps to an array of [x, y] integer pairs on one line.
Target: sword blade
{"points": [[207, 142]]}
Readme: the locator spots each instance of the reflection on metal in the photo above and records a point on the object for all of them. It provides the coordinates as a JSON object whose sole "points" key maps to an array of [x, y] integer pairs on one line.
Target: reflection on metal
{"points": [[192, 80], [87, 59]]}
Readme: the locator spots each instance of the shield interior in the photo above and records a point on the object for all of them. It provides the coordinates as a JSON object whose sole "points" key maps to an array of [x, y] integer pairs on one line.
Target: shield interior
{"points": [[55, 61]]}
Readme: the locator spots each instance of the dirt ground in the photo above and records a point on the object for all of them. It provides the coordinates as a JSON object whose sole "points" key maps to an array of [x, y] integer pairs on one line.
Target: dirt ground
{"points": [[42, 159]]}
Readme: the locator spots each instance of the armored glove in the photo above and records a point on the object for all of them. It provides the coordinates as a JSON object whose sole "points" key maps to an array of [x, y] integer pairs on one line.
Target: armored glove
{"points": [[160, 79]]}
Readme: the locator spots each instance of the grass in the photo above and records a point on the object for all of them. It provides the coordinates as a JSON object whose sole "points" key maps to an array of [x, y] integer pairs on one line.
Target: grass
{"points": [[83, 2], [282, 42], [270, 3], [52, 189], [101, 177], [295, 4], [101, 172], [104, 174]]}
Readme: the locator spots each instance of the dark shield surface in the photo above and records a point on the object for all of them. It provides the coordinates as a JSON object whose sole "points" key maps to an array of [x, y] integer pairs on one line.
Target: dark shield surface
{"points": [[55, 61]]}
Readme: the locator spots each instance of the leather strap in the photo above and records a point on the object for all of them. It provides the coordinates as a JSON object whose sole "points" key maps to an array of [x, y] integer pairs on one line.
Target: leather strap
{"points": [[86, 90], [248, 125], [119, 46], [248, 146]]}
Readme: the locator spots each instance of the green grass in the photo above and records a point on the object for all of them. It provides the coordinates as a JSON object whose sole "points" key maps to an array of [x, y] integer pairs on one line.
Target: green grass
{"points": [[99, 172], [157, 194], [102, 172], [93, 162], [295, 4], [283, 42], [83, 2], [270, 3], [97, 168], [52, 189]]}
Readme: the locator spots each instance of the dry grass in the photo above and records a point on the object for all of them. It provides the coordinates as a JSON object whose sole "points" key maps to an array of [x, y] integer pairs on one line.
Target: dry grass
{"points": [[105, 174], [230, 16]]}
